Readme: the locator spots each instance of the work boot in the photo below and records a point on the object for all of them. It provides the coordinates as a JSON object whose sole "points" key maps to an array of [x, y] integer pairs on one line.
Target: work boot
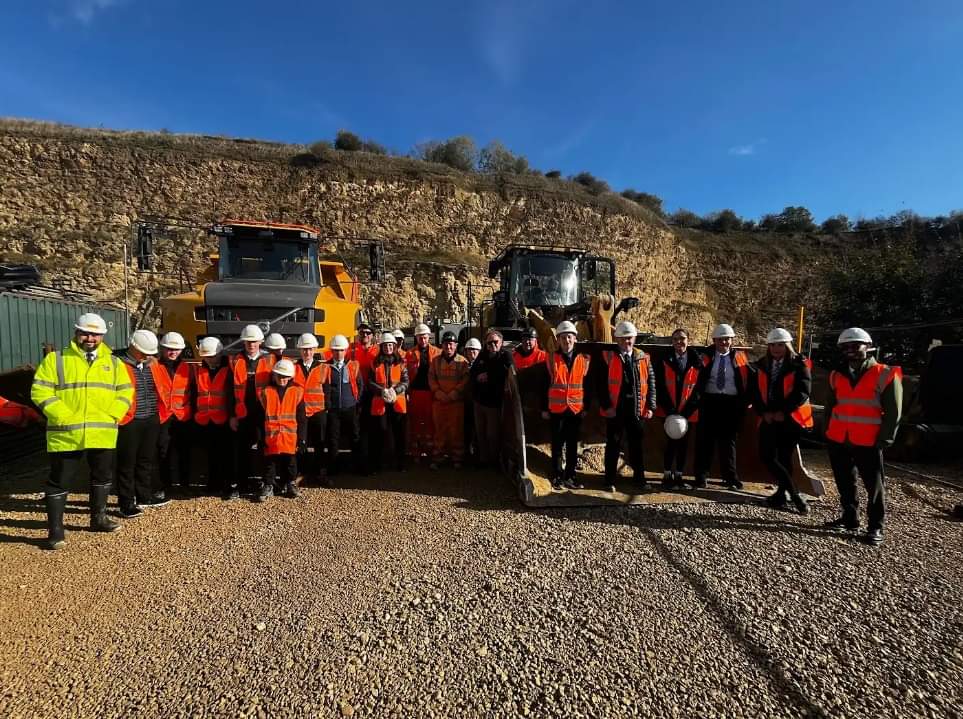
{"points": [[699, 483], [99, 521], [157, 499], [231, 493], [291, 491], [842, 524], [556, 482], [733, 483], [873, 537], [55, 520], [679, 482], [777, 500], [263, 492], [801, 505], [667, 481]]}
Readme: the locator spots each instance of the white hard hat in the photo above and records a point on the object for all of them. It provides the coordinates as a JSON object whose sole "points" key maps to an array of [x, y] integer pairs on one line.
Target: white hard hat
{"points": [[144, 341], [173, 341], [777, 336], [854, 334], [209, 347], [722, 331], [252, 333], [626, 329], [676, 426], [275, 341], [473, 344], [307, 341], [90, 322], [284, 368], [566, 327], [422, 329], [339, 342], [388, 337], [398, 335]]}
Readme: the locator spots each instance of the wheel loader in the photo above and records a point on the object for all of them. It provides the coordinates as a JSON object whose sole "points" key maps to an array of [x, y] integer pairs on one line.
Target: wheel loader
{"points": [[540, 286]]}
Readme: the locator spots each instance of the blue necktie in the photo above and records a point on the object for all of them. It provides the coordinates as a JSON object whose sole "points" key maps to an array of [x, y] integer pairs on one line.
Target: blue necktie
{"points": [[721, 374]]}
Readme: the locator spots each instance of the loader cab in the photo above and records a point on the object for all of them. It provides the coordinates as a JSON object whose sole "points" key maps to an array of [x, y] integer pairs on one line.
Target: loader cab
{"points": [[248, 254]]}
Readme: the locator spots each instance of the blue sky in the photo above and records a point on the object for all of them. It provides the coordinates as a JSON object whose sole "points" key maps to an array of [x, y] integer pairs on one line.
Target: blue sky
{"points": [[843, 106]]}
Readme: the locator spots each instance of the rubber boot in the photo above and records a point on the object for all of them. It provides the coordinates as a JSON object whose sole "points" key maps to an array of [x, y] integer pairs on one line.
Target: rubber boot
{"points": [[99, 521], [55, 520]]}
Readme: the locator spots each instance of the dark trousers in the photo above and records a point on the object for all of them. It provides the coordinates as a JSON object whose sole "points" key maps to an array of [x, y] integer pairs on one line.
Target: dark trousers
{"points": [[471, 442], [249, 437], [719, 419], [174, 444], [284, 467], [312, 464], [777, 445], [217, 442], [136, 456], [846, 460], [388, 427], [64, 466], [676, 453], [623, 427], [566, 427], [367, 429], [343, 423]]}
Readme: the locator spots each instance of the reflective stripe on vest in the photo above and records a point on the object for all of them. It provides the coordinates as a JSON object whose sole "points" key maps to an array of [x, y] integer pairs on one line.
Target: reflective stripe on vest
{"points": [[262, 377], [281, 419], [566, 388], [858, 412], [803, 414], [313, 386], [614, 362], [377, 403], [212, 396], [160, 376]]}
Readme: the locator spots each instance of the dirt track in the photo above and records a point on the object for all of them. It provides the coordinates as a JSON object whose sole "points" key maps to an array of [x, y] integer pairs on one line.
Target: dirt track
{"points": [[436, 595]]}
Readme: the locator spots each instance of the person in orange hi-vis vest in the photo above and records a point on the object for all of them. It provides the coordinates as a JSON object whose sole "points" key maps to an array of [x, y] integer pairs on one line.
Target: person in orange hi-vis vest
{"points": [[176, 437], [363, 351], [311, 374], [677, 395], [781, 399], [565, 404], [252, 373], [213, 407], [448, 379], [725, 391], [862, 412], [285, 423], [528, 353], [388, 385], [421, 425], [627, 397]]}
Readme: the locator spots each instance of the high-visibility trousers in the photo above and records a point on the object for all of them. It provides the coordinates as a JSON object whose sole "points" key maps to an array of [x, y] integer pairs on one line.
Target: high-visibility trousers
{"points": [[449, 430]]}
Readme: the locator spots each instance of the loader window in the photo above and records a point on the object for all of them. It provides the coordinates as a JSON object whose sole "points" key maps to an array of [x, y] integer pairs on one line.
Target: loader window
{"points": [[256, 259], [544, 280], [597, 277]]}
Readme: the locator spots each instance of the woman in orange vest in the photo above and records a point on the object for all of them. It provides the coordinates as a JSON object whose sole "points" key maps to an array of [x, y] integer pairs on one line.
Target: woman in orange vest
{"points": [[421, 425], [311, 374], [173, 392], [285, 423], [213, 407], [781, 398], [388, 385], [863, 411], [565, 404], [677, 380]]}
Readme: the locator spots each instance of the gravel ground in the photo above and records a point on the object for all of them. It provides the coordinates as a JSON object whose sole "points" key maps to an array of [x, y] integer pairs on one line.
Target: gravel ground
{"points": [[433, 595]]}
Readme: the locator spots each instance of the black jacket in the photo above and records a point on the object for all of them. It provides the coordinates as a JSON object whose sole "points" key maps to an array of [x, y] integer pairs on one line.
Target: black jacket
{"points": [[490, 393], [777, 402], [743, 390], [693, 359], [602, 380]]}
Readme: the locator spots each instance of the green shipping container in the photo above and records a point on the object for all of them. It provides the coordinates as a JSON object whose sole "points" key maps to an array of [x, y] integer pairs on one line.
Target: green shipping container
{"points": [[27, 323]]}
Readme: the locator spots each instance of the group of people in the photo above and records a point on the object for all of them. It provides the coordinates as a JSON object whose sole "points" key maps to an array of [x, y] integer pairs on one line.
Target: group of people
{"points": [[263, 419]]}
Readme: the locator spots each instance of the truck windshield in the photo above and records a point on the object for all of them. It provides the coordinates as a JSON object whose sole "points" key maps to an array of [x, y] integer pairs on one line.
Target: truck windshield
{"points": [[255, 259], [545, 280]]}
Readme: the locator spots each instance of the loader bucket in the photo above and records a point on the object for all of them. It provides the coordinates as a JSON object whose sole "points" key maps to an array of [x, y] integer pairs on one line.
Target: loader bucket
{"points": [[527, 453]]}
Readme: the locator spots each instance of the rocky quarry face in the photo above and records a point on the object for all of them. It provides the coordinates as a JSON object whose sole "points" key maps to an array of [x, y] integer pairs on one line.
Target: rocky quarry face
{"points": [[69, 202]]}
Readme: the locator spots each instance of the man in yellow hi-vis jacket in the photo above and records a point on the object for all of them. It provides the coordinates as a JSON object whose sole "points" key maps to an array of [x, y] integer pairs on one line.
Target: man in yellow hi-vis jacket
{"points": [[83, 390]]}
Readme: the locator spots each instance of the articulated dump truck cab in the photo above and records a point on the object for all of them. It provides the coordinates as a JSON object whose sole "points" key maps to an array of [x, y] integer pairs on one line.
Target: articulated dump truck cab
{"points": [[541, 285], [267, 274]]}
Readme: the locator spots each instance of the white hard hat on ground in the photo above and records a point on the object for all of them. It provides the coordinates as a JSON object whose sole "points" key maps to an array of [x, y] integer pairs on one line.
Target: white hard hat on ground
{"points": [[339, 342], [777, 336], [626, 329], [144, 341], [209, 347], [307, 341], [173, 341], [422, 329], [284, 368], [566, 327], [252, 333], [722, 331], [473, 344], [275, 341], [387, 337], [676, 426], [90, 322], [854, 334]]}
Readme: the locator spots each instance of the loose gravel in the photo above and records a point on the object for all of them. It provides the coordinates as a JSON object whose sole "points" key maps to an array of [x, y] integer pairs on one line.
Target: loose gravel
{"points": [[438, 595]]}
